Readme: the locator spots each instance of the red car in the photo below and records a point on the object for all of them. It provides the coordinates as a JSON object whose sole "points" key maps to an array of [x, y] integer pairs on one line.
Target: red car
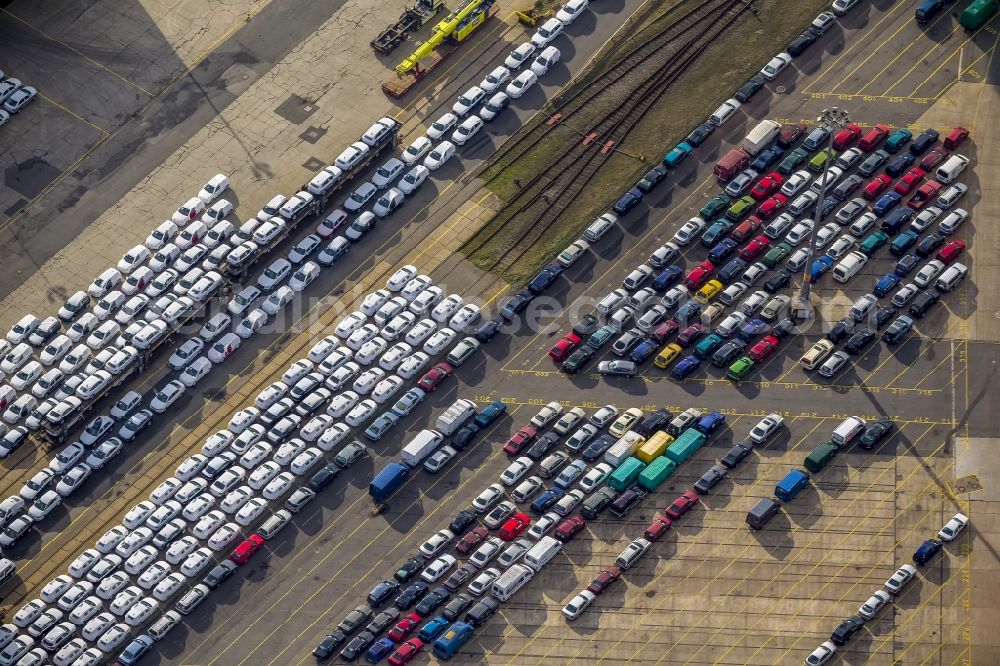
{"points": [[521, 439], [763, 349], [847, 136], [682, 504], [435, 376], [514, 526], [568, 528], [406, 652], [925, 194], [658, 528], [745, 228], [910, 180], [790, 133], [875, 136], [565, 347], [472, 540], [604, 580], [699, 275], [933, 158], [767, 186], [663, 332], [875, 187], [772, 206], [955, 138], [254, 543], [404, 627], [950, 252], [755, 248], [690, 334]]}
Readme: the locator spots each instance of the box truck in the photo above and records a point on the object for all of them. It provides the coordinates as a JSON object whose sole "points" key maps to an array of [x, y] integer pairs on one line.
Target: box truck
{"points": [[626, 474], [388, 481], [656, 473], [421, 446], [623, 448], [761, 135], [455, 416], [685, 445]]}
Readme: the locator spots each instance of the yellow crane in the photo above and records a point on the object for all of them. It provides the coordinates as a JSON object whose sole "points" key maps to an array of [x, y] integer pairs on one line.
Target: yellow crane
{"points": [[454, 28]]}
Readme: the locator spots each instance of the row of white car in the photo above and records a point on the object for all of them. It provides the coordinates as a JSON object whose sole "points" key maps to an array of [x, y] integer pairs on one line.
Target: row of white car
{"points": [[14, 96]]}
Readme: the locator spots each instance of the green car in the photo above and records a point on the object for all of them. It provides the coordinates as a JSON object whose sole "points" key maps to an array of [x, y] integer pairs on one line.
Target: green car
{"points": [[577, 360], [873, 242], [715, 206], [708, 345], [741, 208], [897, 140], [601, 336], [776, 254], [793, 161], [819, 160], [740, 368]]}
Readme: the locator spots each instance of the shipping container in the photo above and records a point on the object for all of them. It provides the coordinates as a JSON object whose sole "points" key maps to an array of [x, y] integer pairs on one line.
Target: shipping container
{"points": [[656, 473], [978, 13], [654, 447], [626, 474], [685, 445]]}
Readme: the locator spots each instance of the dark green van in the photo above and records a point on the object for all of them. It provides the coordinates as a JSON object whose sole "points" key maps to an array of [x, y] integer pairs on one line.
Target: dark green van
{"points": [[820, 456]]}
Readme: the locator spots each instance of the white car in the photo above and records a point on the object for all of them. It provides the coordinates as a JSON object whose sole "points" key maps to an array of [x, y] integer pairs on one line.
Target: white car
{"points": [[486, 499], [413, 365], [199, 507], [414, 178], [950, 196], [766, 428], [163, 234], [196, 562], [303, 277], [578, 604], [571, 10], [438, 568], [166, 396], [437, 542], [250, 324], [467, 100], [466, 316], [278, 486], [468, 129], [515, 471], [360, 197], [439, 341], [776, 65], [213, 188], [261, 476], [795, 183], [440, 127], [388, 172], [418, 149], [20, 331], [548, 57], [235, 499], [483, 582], [520, 56], [953, 527], [250, 511], [547, 32], [521, 83], [689, 231], [495, 79], [133, 259], [439, 155], [388, 202]]}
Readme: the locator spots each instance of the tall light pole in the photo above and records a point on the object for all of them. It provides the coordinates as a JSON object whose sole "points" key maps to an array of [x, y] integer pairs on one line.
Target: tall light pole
{"points": [[834, 118]]}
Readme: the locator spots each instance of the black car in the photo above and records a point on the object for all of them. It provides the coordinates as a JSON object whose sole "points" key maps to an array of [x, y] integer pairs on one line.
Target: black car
{"points": [[798, 45], [326, 646], [598, 502], [652, 422], [411, 595], [897, 330], [587, 325], [626, 501], [488, 330], [859, 341], [872, 163], [749, 89], [516, 304], [219, 573], [778, 281], [827, 206], [432, 600], [415, 564], [728, 353], [842, 634], [324, 477], [884, 315], [737, 454], [484, 609], [577, 360], [766, 158], [876, 432], [383, 620], [652, 178], [381, 593], [783, 329], [924, 141], [598, 447], [457, 606], [461, 522], [357, 645], [846, 187], [700, 133], [906, 264], [898, 164], [710, 479], [896, 220], [722, 249], [840, 330], [355, 619], [545, 277], [464, 436], [731, 270], [929, 244], [923, 302], [542, 446]]}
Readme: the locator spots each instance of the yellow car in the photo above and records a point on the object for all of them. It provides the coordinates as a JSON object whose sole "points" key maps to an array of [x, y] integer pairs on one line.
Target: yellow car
{"points": [[708, 291], [667, 355], [625, 421]]}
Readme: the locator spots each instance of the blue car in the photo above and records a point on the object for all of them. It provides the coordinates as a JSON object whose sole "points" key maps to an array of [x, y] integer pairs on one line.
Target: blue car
{"points": [[885, 284], [381, 426], [434, 628], [379, 650], [544, 278], [490, 413], [642, 353], [685, 367], [628, 201], [721, 250], [546, 500], [751, 329], [715, 232], [732, 270], [687, 312], [906, 265], [677, 154], [820, 267], [670, 276], [766, 158], [886, 203], [711, 422], [903, 242]]}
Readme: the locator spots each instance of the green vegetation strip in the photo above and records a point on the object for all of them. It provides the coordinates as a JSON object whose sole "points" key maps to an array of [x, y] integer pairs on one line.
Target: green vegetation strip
{"points": [[714, 77]]}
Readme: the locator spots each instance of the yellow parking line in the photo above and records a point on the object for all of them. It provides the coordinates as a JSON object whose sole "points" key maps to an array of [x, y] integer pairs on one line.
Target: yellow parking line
{"points": [[989, 66], [911, 615], [918, 61], [76, 115], [946, 359], [947, 60], [874, 51]]}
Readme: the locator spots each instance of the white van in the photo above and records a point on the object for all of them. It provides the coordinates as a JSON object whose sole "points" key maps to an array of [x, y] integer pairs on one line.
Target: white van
{"points": [[951, 169], [952, 276], [458, 413], [274, 524], [420, 447], [511, 581], [623, 448], [724, 112], [849, 266], [543, 551], [848, 430], [863, 307]]}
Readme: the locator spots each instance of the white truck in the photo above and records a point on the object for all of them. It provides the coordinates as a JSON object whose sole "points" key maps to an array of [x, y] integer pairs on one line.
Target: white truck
{"points": [[421, 446], [760, 136], [457, 414]]}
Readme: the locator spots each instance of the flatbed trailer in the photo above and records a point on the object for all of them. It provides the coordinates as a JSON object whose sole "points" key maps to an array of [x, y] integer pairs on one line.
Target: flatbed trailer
{"points": [[409, 21]]}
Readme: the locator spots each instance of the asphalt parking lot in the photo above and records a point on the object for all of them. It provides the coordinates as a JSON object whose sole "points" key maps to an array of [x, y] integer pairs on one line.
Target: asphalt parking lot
{"points": [[711, 592]]}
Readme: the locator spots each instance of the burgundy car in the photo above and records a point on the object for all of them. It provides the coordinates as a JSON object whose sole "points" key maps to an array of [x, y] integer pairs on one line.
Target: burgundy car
{"points": [[435, 376], [681, 505], [690, 334], [520, 439]]}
